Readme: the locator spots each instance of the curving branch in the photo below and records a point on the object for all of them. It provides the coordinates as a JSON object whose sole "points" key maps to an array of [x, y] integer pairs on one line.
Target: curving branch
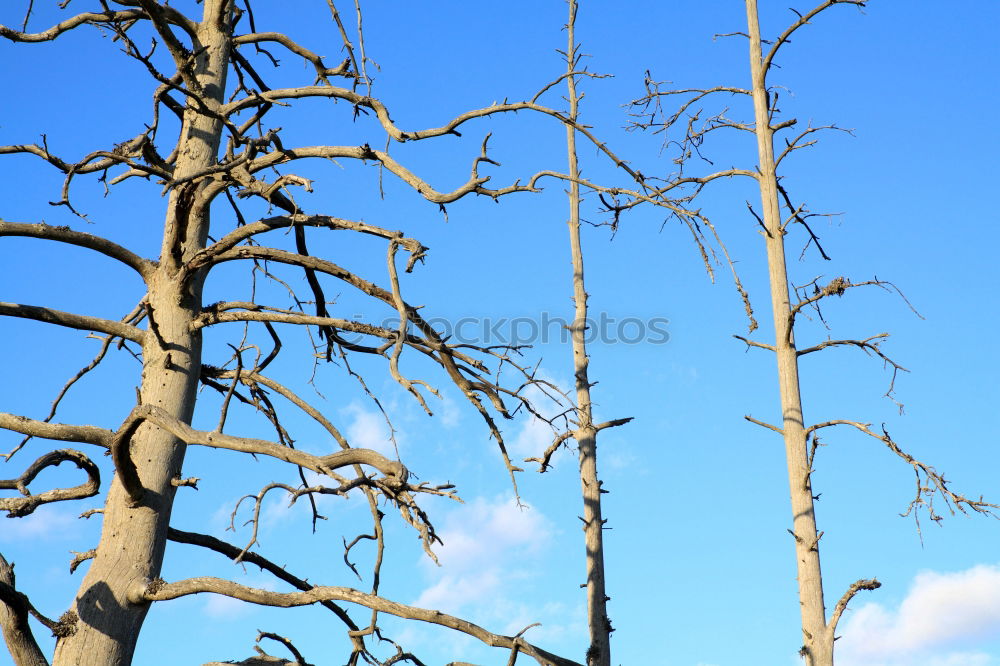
{"points": [[473, 185], [234, 553], [71, 320], [804, 19], [929, 481], [319, 464], [71, 23], [143, 267], [322, 71], [247, 231], [58, 431], [163, 591], [544, 461], [22, 506], [858, 585], [98, 160], [792, 145]]}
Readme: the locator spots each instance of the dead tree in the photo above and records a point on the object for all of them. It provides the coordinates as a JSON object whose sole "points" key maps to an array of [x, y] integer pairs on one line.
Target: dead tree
{"points": [[584, 430], [212, 84], [780, 211]]}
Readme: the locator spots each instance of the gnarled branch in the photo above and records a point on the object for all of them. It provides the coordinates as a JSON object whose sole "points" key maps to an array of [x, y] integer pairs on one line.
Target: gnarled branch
{"points": [[22, 506]]}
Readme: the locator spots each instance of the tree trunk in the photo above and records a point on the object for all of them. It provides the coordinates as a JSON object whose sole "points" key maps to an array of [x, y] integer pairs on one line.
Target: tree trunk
{"points": [[815, 648], [599, 652], [133, 539], [14, 621]]}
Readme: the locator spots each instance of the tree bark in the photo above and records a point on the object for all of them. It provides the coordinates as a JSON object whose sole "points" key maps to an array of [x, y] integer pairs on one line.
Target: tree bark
{"points": [[109, 603], [599, 652], [816, 650], [17, 633]]}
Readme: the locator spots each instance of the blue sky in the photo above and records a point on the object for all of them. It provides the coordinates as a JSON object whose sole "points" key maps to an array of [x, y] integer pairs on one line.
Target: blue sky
{"points": [[700, 567]]}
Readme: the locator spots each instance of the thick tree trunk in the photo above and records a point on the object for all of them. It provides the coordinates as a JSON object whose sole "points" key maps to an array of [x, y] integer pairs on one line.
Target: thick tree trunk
{"points": [[815, 648], [133, 539]]}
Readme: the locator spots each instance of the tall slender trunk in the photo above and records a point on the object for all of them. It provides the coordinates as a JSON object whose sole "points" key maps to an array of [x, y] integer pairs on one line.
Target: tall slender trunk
{"points": [[599, 653], [133, 538], [815, 648]]}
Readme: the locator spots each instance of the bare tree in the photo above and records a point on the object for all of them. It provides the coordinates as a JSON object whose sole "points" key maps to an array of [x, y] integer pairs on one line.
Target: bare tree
{"points": [[584, 430], [790, 304], [209, 83]]}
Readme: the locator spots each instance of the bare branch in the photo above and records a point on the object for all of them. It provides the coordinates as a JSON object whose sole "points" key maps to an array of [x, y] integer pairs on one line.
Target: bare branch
{"points": [[71, 23], [472, 185], [70, 320], [319, 464], [322, 71], [57, 431], [22, 506], [80, 558], [98, 160], [764, 425], [66, 235], [163, 591], [244, 232], [232, 552], [753, 343], [869, 348], [858, 585], [793, 144], [783, 38], [929, 481]]}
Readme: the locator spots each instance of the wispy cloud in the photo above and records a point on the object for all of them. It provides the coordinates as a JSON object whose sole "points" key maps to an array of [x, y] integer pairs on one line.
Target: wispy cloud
{"points": [[492, 549], [369, 430], [47, 523], [946, 619], [487, 534]]}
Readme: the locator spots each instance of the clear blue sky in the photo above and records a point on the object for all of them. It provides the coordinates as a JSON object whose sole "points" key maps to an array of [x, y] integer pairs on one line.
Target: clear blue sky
{"points": [[701, 570]]}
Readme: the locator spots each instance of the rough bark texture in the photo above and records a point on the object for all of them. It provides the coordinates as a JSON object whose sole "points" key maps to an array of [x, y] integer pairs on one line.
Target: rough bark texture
{"points": [[816, 649], [134, 537], [14, 621]]}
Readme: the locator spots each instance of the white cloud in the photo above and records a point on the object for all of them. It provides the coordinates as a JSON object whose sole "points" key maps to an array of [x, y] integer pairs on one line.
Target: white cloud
{"points": [[489, 574], [489, 547], [532, 439], [490, 533], [219, 607], [369, 430], [48, 522], [449, 411], [946, 619]]}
